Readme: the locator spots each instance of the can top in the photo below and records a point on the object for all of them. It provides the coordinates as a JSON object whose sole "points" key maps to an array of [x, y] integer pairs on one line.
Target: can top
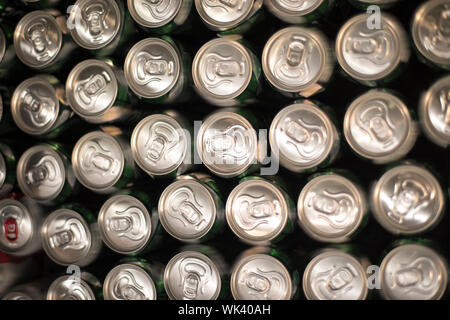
{"points": [[91, 88], [222, 68], [95, 24], [191, 275], [69, 288], [66, 237], [125, 224], [257, 211], [303, 135], [98, 160], [154, 14], [295, 58], [227, 144], [378, 125], [335, 275], [434, 111], [152, 67], [2, 45], [297, 8], [129, 282], [35, 106], [17, 295], [371, 54], [260, 277], [413, 272], [3, 172], [431, 31], [223, 14], [159, 144], [331, 208], [41, 173], [187, 209], [18, 226], [37, 39], [407, 199]]}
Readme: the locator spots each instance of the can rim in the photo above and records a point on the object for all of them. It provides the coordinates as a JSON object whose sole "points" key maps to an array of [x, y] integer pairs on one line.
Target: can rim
{"points": [[276, 5], [214, 24], [51, 294], [3, 169], [2, 44], [145, 23]]}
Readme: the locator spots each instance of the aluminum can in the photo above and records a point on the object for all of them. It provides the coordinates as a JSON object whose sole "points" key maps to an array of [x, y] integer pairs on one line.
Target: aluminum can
{"points": [[68, 287], [297, 12], [332, 207], [226, 72], [407, 199], [15, 270], [191, 208], [9, 64], [44, 174], [7, 170], [372, 56], [379, 126], [384, 4], [28, 291]]}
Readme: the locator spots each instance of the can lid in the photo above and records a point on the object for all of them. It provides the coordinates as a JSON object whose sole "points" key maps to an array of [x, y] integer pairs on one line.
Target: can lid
{"points": [[296, 8], [69, 288], [335, 275], [331, 208], [41, 173], [367, 54], [66, 237], [17, 226], [434, 112], [407, 199], [129, 282], [34, 106], [159, 144], [154, 14], [223, 14], [227, 144], [257, 211], [431, 31], [98, 160], [413, 272], [91, 88], [303, 135], [17, 295], [3, 172], [187, 210], [378, 126], [260, 277], [95, 24], [295, 58], [125, 224], [37, 39], [2, 45], [191, 275], [152, 68], [222, 69]]}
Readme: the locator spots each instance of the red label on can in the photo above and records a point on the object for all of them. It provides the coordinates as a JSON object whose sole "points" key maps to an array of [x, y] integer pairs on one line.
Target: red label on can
{"points": [[11, 230]]}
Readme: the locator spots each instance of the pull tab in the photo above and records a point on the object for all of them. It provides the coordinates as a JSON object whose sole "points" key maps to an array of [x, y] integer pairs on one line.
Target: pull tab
{"points": [[95, 15], [11, 229], [296, 52]]}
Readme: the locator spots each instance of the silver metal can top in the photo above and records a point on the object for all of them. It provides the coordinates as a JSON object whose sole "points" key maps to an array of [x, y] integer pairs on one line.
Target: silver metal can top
{"points": [[223, 14], [35, 106], [154, 13], [413, 272], [41, 173], [257, 211], [434, 112], [331, 208], [125, 224], [407, 199], [66, 237], [129, 282], [37, 39], [159, 144], [227, 144], [260, 277], [69, 288], [98, 161], [91, 88], [95, 23], [295, 58], [431, 31], [288, 9], [18, 226], [369, 54], [303, 136], [191, 275], [152, 68], [378, 126], [187, 210], [335, 275], [222, 69]]}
